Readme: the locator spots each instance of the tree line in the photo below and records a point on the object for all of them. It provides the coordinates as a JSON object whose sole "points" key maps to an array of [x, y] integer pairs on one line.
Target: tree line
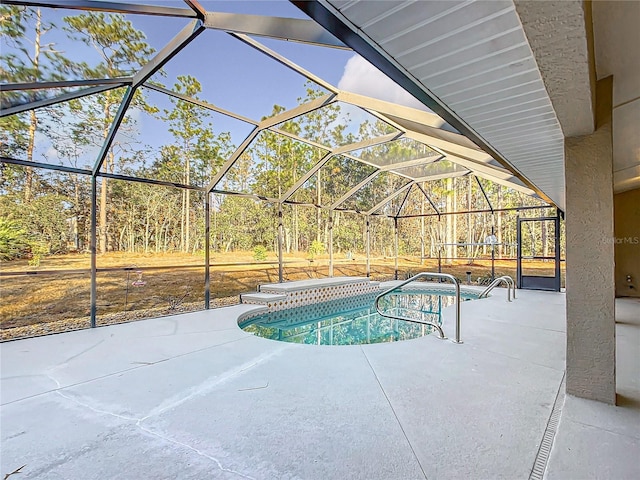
{"points": [[49, 212]]}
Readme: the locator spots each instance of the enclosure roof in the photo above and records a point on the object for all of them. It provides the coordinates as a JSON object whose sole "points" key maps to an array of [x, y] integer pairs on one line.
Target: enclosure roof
{"points": [[442, 152], [471, 62]]}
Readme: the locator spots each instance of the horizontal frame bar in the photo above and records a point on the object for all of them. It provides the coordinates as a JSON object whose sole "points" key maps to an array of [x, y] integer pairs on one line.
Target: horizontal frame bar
{"points": [[291, 29], [11, 87], [46, 166], [511, 209], [47, 102], [97, 6]]}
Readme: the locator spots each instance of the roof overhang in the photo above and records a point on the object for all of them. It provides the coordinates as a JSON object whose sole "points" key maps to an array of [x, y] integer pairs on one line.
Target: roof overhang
{"points": [[471, 63]]}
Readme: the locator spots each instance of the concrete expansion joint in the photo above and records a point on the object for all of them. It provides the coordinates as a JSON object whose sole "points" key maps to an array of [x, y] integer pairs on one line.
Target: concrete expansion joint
{"points": [[195, 450], [173, 402], [602, 429], [138, 424], [514, 357], [118, 372], [375, 375]]}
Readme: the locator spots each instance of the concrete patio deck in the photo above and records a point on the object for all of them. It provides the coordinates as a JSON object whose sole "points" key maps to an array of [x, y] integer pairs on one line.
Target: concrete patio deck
{"points": [[194, 397]]}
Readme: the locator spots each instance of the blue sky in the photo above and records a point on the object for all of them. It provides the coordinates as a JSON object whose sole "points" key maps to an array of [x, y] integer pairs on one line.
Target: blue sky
{"points": [[233, 75]]}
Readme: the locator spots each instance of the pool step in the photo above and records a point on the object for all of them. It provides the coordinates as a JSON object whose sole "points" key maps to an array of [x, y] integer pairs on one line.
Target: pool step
{"points": [[282, 296], [260, 298]]}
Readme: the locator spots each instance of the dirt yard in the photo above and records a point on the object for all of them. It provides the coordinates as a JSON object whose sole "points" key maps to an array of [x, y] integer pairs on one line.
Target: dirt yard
{"points": [[55, 296]]}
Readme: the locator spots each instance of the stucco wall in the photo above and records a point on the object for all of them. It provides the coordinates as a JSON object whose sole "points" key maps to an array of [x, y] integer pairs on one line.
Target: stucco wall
{"points": [[590, 257], [627, 243]]}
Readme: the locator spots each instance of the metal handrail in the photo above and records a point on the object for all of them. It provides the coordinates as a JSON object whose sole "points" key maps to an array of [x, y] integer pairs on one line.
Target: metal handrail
{"points": [[513, 286], [455, 282], [504, 279]]}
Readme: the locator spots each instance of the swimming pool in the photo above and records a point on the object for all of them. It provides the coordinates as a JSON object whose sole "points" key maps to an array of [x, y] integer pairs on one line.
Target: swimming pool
{"points": [[354, 320]]}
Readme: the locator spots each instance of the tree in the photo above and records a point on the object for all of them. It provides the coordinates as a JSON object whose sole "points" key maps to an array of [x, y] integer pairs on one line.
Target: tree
{"points": [[25, 58], [186, 123], [322, 126], [197, 152], [122, 50], [13, 240]]}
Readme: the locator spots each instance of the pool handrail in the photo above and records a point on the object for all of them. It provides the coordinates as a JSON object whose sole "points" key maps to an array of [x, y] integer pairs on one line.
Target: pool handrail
{"points": [[503, 279], [446, 276]]}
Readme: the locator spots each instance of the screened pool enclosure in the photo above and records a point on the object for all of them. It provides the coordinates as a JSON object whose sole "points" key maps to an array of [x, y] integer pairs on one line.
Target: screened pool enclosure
{"points": [[159, 155]]}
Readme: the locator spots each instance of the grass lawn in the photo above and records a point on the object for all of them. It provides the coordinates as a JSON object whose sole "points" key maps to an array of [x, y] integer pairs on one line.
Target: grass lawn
{"points": [[56, 297]]}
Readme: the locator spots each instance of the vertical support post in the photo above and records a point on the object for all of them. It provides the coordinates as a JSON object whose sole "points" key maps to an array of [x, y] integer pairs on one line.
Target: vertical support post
{"points": [[207, 247], [93, 246], [518, 252], [440, 244], [422, 249], [395, 245], [368, 244], [493, 251], [457, 286], [280, 242], [469, 236], [557, 247], [331, 243], [590, 280]]}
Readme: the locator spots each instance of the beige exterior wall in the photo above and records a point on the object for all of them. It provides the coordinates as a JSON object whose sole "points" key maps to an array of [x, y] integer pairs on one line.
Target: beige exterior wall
{"points": [[591, 346], [627, 243]]}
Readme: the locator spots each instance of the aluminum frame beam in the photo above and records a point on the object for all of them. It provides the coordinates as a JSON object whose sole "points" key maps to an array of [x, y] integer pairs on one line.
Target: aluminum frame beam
{"points": [[404, 201], [387, 108], [298, 138], [47, 166], [411, 163], [149, 181], [465, 212], [198, 9], [506, 183], [369, 142], [381, 204], [10, 87], [252, 196], [200, 103], [297, 111], [232, 159], [476, 156], [353, 190], [181, 40], [476, 167], [113, 130], [114, 7], [47, 102], [302, 180], [486, 197], [280, 28], [338, 151], [440, 176], [82, 171], [284, 61], [424, 192]]}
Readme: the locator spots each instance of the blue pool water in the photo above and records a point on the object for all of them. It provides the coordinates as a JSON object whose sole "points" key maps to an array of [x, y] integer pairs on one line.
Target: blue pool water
{"points": [[354, 320]]}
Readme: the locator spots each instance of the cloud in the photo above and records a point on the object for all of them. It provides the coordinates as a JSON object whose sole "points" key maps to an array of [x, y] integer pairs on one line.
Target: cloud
{"points": [[361, 77]]}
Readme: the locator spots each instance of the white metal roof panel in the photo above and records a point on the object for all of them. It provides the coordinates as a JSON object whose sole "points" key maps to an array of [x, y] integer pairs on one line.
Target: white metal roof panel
{"points": [[472, 56]]}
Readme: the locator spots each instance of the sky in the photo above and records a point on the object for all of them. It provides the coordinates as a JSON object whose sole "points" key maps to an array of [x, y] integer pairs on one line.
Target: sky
{"points": [[233, 75]]}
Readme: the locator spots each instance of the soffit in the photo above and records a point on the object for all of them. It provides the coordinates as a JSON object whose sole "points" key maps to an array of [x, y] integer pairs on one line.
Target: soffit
{"points": [[474, 59]]}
